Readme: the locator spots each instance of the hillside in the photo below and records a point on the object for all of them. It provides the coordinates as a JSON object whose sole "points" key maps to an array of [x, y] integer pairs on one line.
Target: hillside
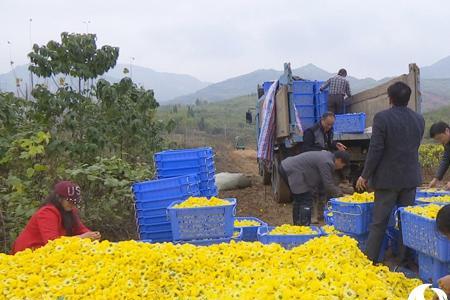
{"points": [[224, 119], [246, 84], [440, 69], [165, 85]]}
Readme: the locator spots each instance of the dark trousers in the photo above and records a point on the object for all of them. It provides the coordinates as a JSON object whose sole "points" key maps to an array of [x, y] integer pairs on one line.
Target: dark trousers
{"points": [[302, 203], [385, 201], [336, 104]]}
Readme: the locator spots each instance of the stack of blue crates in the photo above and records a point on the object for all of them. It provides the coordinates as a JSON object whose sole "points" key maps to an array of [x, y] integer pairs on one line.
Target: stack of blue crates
{"points": [[303, 97], [309, 101], [152, 198], [422, 235], [199, 161]]}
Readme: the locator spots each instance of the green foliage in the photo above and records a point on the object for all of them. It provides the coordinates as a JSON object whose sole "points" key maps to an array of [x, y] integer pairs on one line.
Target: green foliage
{"points": [[223, 118], [76, 55], [107, 197], [442, 114], [23, 180], [102, 137], [430, 156]]}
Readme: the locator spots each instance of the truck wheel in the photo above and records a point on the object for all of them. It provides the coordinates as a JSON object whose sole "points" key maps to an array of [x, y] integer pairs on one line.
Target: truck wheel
{"points": [[280, 190]]}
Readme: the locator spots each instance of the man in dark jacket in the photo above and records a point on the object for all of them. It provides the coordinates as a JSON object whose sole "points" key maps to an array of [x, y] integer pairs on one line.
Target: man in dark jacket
{"points": [[320, 136], [440, 131], [392, 165], [307, 172]]}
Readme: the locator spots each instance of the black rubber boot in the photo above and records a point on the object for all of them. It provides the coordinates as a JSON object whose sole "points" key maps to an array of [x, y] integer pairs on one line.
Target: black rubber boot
{"points": [[305, 215]]}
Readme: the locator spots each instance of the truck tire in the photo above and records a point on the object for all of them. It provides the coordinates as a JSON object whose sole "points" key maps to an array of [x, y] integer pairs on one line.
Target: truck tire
{"points": [[280, 190]]}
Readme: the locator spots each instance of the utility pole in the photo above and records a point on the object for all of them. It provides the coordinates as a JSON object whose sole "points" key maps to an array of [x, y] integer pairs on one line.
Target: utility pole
{"points": [[87, 25], [131, 67], [31, 47]]}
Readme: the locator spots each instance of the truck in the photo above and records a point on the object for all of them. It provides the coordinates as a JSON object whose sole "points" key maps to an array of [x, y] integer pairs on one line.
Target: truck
{"points": [[289, 139]]}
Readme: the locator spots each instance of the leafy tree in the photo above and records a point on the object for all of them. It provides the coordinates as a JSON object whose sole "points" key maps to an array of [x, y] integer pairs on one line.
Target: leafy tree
{"points": [[76, 55]]}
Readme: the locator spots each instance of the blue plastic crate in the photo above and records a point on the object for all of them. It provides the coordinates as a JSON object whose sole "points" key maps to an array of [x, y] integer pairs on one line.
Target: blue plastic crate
{"points": [[307, 122], [421, 234], [168, 173], [321, 104], [165, 226], [162, 189], [158, 204], [303, 99], [420, 193], [147, 218], [426, 200], [353, 218], [287, 241], [350, 123], [156, 236], [184, 154], [303, 86], [146, 203], [187, 163], [207, 184], [250, 233], [210, 192], [317, 85], [431, 269], [208, 242], [328, 217], [306, 111], [266, 86], [166, 184], [202, 222]]}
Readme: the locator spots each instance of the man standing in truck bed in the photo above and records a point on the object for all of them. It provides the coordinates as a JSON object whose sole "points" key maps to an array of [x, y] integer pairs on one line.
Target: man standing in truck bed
{"points": [[338, 88]]}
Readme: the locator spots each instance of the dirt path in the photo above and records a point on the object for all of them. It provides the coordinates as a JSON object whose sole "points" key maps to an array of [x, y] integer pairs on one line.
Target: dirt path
{"points": [[255, 201]]}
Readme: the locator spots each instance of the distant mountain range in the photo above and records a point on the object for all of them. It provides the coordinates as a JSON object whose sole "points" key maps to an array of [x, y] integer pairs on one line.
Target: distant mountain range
{"points": [[246, 84], [166, 85], [435, 84], [185, 89]]}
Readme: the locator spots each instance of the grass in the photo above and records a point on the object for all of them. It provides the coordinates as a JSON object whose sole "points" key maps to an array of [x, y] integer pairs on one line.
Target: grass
{"points": [[224, 119]]}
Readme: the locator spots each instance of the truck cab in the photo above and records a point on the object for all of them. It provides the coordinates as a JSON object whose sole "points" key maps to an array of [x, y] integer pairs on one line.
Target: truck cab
{"points": [[296, 93]]}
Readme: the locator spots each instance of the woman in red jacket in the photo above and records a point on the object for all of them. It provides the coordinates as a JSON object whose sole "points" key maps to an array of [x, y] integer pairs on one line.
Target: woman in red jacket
{"points": [[56, 218]]}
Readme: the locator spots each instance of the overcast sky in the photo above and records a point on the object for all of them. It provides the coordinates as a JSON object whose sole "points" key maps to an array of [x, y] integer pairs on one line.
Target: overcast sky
{"points": [[215, 40]]}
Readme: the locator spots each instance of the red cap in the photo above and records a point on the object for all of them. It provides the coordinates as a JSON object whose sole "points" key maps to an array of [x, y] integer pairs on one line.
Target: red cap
{"points": [[68, 190]]}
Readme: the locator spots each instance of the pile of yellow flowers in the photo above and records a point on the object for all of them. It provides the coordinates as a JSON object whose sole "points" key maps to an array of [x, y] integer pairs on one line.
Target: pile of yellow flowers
{"points": [[246, 223], [428, 211], [287, 229], [358, 198], [328, 229], [437, 199], [192, 202], [328, 268]]}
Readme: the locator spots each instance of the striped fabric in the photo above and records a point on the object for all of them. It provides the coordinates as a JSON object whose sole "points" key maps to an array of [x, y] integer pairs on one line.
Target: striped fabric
{"points": [[267, 137]]}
